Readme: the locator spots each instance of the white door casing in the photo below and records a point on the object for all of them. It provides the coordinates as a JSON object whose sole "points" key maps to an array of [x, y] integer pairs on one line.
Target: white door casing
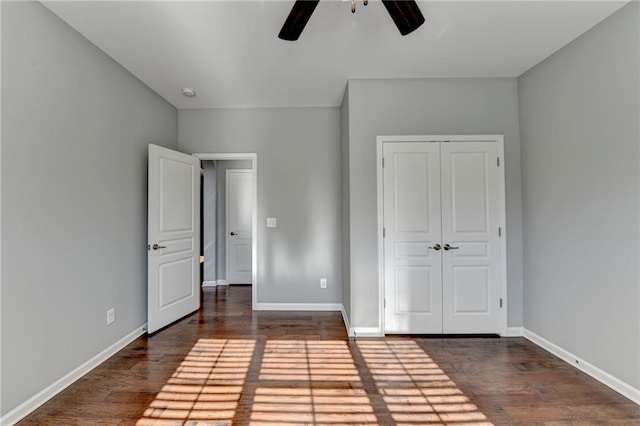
{"points": [[174, 230], [470, 201], [239, 214], [413, 270]]}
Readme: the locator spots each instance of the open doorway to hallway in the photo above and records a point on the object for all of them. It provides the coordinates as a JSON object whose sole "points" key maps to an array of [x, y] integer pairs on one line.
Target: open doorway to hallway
{"points": [[229, 220]]}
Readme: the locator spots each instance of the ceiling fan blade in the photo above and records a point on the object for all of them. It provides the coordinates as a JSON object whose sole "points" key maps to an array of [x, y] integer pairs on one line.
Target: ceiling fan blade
{"points": [[405, 14], [297, 19]]}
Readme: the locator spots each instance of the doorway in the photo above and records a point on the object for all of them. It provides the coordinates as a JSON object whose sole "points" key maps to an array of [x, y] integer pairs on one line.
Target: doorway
{"points": [[215, 270]]}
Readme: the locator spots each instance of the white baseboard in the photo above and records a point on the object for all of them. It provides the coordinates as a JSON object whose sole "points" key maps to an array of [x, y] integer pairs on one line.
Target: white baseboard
{"points": [[24, 409], [365, 332], [298, 306], [359, 331], [345, 319], [513, 332], [214, 283], [603, 377]]}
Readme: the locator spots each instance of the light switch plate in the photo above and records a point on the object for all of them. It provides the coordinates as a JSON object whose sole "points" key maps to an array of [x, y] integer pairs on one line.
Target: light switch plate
{"points": [[271, 222]]}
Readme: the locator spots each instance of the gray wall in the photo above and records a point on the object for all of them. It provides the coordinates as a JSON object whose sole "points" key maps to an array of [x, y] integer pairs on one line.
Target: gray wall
{"points": [[75, 130], [425, 106], [209, 220], [346, 229], [580, 152], [298, 183], [221, 212]]}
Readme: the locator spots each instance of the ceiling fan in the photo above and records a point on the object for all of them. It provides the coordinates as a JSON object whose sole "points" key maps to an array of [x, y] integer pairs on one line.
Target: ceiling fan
{"points": [[405, 14]]}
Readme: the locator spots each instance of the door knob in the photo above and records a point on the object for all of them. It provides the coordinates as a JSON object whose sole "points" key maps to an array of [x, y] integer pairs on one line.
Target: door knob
{"points": [[233, 233], [156, 247], [448, 247], [436, 247]]}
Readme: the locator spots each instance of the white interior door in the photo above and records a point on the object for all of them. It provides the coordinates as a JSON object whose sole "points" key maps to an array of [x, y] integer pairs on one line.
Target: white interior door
{"points": [[471, 218], [173, 236], [413, 262], [239, 212], [441, 218]]}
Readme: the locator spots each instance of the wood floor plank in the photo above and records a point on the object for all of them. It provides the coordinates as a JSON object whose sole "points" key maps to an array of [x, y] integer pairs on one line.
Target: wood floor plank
{"points": [[226, 364]]}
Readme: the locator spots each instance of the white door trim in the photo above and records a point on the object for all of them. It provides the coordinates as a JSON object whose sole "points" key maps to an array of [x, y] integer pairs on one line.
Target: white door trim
{"points": [[254, 232], [499, 139]]}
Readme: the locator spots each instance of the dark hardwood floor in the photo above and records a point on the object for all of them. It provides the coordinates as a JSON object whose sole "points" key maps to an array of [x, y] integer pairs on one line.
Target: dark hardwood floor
{"points": [[229, 365]]}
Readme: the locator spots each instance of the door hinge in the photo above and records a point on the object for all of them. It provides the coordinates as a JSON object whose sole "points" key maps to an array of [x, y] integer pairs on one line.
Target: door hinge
{"points": [[498, 161], [384, 303], [383, 162], [384, 232], [499, 231], [501, 302]]}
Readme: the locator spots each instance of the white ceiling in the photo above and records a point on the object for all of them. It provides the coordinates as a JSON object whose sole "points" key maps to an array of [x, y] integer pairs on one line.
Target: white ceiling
{"points": [[228, 51]]}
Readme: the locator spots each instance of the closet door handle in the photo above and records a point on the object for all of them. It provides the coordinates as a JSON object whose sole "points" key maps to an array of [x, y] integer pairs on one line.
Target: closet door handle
{"points": [[448, 247], [436, 247]]}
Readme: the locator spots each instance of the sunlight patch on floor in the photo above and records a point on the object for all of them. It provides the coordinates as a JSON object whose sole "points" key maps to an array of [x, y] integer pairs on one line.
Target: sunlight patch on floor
{"points": [[311, 406], [414, 388], [310, 382], [206, 386], [308, 360], [324, 373]]}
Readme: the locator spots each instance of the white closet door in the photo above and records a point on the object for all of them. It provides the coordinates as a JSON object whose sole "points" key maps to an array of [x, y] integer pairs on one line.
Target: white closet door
{"points": [[470, 221], [413, 270]]}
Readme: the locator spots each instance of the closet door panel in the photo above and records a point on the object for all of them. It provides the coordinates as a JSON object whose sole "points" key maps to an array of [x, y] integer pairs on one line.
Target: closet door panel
{"points": [[470, 221], [413, 270]]}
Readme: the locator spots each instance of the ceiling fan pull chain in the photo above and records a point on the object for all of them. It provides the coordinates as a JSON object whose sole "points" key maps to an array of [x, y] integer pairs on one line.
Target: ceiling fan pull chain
{"points": [[353, 6]]}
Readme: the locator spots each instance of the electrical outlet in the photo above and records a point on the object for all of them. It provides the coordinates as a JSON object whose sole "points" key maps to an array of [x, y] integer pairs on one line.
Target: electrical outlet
{"points": [[111, 315], [323, 283]]}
